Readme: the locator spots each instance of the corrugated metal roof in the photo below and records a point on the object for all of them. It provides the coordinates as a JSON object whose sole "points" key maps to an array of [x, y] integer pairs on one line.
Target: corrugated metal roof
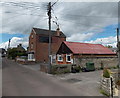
{"points": [[87, 48], [46, 32]]}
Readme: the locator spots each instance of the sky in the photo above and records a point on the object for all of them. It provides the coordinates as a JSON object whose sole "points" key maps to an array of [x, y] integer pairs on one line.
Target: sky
{"points": [[85, 21]]}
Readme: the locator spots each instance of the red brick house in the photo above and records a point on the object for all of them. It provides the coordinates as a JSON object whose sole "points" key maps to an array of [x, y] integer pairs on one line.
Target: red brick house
{"points": [[82, 53], [39, 41]]}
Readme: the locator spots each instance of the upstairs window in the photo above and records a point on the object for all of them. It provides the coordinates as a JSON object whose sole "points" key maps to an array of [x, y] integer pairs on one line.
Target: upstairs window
{"points": [[31, 45], [44, 39], [32, 36]]}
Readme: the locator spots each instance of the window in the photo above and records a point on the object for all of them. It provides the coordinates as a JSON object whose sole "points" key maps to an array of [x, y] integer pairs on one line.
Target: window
{"points": [[59, 57], [44, 39], [31, 57], [68, 58], [31, 45], [32, 36]]}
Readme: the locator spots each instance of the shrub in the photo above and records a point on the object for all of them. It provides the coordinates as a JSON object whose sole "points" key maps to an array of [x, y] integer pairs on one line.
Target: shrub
{"points": [[60, 69], [104, 93], [106, 73], [117, 66], [118, 82], [66, 71], [77, 68]]}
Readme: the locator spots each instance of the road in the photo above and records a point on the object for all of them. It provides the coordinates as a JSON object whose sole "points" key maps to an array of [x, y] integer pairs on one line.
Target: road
{"points": [[21, 81], [0, 76]]}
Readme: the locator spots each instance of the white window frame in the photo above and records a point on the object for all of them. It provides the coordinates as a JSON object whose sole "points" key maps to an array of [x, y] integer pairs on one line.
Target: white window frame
{"points": [[31, 57], [58, 56], [67, 58], [32, 36], [31, 45]]}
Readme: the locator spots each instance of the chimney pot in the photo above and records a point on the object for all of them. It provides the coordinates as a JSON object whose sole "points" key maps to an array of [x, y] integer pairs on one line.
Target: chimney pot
{"points": [[58, 32]]}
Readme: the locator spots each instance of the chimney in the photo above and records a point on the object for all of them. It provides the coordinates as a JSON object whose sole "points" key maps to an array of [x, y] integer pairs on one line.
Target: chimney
{"points": [[20, 45], [58, 31]]}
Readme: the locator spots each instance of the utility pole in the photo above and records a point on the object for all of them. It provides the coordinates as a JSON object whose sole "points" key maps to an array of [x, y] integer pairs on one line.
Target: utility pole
{"points": [[118, 51], [8, 48], [49, 47], [9, 44]]}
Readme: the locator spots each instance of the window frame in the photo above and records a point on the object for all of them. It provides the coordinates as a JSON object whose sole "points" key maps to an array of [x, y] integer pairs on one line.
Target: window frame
{"points": [[32, 45], [67, 58], [31, 57], [32, 36], [58, 56], [44, 39]]}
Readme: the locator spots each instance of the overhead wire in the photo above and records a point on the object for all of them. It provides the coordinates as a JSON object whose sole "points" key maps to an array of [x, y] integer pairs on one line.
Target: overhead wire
{"points": [[23, 13], [69, 15], [27, 8]]}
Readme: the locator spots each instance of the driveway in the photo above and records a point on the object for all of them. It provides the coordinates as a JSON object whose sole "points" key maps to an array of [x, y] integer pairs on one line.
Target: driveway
{"points": [[85, 81], [88, 82]]}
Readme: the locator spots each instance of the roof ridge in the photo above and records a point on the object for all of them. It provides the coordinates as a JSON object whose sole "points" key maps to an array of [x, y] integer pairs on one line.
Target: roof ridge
{"points": [[81, 43], [45, 29], [77, 47]]}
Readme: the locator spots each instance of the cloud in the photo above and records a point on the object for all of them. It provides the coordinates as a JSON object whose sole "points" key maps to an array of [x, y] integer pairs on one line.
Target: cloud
{"points": [[20, 17], [111, 40], [14, 42], [79, 37], [87, 17], [66, 0], [76, 19], [73, 17]]}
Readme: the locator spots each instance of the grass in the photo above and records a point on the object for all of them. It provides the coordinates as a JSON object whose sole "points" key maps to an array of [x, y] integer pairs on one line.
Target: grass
{"points": [[104, 93]]}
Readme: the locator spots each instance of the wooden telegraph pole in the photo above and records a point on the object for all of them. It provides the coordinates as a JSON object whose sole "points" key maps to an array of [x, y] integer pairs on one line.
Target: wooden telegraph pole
{"points": [[49, 47], [118, 51]]}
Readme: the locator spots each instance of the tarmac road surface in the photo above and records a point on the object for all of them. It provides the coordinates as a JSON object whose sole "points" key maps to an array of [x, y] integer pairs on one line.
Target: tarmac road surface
{"points": [[21, 81]]}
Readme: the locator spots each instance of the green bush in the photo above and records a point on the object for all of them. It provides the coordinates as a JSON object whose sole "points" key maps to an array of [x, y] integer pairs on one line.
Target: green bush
{"points": [[118, 82], [106, 73], [77, 68], [117, 66], [60, 69], [104, 93], [66, 71]]}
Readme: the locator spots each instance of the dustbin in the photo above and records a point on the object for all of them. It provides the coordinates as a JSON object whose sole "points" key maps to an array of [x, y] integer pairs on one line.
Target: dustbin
{"points": [[90, 66]]}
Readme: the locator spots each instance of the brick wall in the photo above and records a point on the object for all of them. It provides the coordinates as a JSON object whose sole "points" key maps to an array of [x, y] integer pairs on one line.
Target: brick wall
{"points": [[42, 48], [32, 40]]}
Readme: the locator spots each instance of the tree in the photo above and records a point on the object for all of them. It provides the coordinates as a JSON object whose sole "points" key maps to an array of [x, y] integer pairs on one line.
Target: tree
{"points": [[14, 52], [109, 46]]}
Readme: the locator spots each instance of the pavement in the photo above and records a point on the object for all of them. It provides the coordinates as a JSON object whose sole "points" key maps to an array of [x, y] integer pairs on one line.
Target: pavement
{"points": [[78, 80], [19, 80], [0, 76], [35, 67], [85, 81]]}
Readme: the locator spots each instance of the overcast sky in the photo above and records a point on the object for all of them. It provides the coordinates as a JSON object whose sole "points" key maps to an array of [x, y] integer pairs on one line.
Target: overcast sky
{"points": [[91, 22]]}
